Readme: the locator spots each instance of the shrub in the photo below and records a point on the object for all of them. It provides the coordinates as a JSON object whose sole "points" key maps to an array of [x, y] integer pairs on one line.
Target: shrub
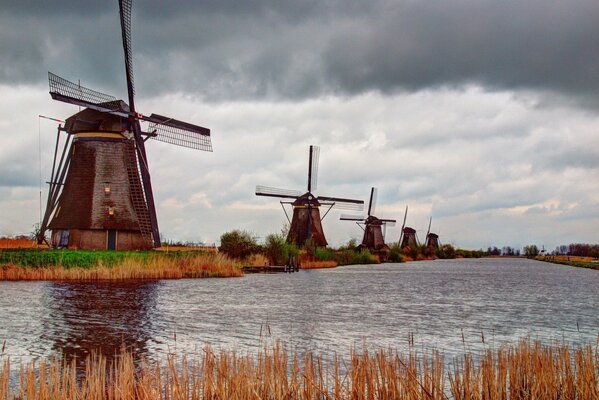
{"points": [[324, 254], [238, 244], [351, 245], [277, 250], [395, 255], [446, 251], [364, 257]]}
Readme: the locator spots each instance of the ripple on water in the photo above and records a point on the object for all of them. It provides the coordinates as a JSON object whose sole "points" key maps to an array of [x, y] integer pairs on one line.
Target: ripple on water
{"points": [[326, 310]]}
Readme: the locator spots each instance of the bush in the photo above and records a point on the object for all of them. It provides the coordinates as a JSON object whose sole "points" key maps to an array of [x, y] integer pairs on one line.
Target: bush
{"points": [[278, 251], [238, 244], [395, 255], [364, 257], [446, 251], [352, 245], [324, 254]]}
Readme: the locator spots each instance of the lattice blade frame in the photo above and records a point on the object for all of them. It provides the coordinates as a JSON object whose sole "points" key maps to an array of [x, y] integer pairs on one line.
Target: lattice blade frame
{"points": [[341, 203], [314, 157], [125, 7], [180, 137], [73, 93], [372, 202], [347, 217], [277, 192]]}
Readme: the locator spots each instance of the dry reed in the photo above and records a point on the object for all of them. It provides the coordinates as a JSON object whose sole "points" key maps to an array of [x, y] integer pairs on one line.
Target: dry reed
{"points": [[523, 371], [313, 264], [17, 243], [156, 267]]}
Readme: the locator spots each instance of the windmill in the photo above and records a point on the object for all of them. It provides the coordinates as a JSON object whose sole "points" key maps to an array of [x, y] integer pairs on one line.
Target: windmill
{"points": [[407, 237], [432, 239], [100, 194], [306, 221], [374, 238]]}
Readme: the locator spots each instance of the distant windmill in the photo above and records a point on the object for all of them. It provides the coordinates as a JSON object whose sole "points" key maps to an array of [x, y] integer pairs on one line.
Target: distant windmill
{"points": [[100, 193], [374, 238], [432, 239], [306, 222], [407, 237]]}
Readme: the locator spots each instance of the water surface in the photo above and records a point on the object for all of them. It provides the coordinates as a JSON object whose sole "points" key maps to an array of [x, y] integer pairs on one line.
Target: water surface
{"points": [[445, 304]]}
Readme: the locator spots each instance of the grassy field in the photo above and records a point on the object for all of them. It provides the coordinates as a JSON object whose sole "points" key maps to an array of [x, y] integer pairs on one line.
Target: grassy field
{"points": [[523, 371], [573, 261], [47, 264]]}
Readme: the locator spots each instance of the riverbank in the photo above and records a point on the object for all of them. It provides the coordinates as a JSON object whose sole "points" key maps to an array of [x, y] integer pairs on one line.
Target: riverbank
{"points": [[525, 370], [572, 261], [48, 264]]}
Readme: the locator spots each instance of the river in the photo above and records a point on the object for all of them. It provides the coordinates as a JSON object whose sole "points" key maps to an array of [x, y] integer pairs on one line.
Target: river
{"points": [[449, 305]]}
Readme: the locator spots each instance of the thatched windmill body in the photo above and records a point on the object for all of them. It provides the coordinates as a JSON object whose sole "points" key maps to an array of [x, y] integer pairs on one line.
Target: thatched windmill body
{"points": [[100, 193], [407, 237], [306, 222], [374, 238]]}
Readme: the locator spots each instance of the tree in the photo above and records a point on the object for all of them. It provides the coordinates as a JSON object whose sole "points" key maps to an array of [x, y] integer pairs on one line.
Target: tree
{"points": [[238, 244], [531, 251], [277, 250]]}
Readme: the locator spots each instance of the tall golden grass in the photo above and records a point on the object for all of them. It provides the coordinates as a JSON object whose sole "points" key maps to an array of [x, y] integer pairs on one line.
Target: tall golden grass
{"points": [[315, 264], [17, 243], [156, 267], [523, 371]]}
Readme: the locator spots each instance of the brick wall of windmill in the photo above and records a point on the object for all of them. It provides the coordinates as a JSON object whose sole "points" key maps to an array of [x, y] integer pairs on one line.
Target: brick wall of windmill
{"points": [[96, 198], [298, 231]]}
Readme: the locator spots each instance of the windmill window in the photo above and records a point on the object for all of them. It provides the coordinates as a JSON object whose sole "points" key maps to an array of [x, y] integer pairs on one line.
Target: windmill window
{"points": [[107, 188], [110, 210]]}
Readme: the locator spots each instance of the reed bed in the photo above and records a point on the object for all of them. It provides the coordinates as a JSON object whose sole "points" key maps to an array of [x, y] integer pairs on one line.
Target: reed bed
{"points": [[158, 266], [17, 243], [314, 264], [522, 371]]}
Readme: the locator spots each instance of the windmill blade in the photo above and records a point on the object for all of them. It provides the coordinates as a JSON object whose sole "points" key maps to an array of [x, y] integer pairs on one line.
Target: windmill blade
{"points": [[403, 225], [430, 221], [341, 203], [388, 222], [156, 119], [125, 13], [372, 202], [313, 168], [277, 192], [347, 217], [73, 93], [179, 133]]}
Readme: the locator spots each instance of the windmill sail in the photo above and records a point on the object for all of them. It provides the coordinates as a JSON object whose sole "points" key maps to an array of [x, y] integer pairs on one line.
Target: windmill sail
{"points": [[276, 192]]}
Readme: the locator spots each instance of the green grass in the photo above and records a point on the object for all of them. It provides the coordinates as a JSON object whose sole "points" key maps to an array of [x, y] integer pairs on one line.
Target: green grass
{"points": [[345, 257], [77, 258], [578, 264]]}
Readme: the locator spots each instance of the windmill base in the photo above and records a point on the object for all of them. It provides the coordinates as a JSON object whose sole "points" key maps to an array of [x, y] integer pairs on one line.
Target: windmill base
{"points": [[98, 239]]}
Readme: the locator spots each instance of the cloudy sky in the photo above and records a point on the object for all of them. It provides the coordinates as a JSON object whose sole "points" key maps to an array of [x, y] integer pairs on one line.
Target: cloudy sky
{"points": [[481, 114]]}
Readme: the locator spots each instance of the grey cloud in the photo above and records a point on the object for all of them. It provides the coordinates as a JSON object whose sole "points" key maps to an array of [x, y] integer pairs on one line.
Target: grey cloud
{"points": [[229, 50]]}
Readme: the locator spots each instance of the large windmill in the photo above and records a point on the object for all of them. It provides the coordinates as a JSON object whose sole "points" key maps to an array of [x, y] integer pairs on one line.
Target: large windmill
{"points": [[407, 237], [100, 193], [306, 221], [374, 238]]}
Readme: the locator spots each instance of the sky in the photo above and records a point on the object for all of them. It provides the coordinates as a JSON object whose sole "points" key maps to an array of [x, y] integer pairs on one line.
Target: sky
{"points": [[483, 115]]}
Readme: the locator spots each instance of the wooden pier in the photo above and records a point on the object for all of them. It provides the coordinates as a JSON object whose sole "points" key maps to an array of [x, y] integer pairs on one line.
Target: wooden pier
{"points": [[269, 269]]}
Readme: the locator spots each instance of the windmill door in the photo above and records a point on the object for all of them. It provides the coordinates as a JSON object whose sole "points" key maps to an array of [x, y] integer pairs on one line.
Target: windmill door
{"points": [[111, 243]]}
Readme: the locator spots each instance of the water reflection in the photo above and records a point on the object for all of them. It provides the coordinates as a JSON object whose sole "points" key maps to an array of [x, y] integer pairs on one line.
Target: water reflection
{"points": [[98, 316]]}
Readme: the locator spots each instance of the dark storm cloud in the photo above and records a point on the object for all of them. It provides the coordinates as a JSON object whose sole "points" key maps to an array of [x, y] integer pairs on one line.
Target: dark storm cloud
{"points": [[297, 49]]}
